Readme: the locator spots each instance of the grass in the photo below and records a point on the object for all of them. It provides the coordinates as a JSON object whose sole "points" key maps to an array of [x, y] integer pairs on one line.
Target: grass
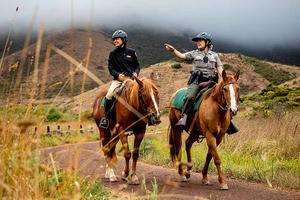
{"points": [[57, 139], [266, 150], [272, 100], [38, 112], [24, 176]]}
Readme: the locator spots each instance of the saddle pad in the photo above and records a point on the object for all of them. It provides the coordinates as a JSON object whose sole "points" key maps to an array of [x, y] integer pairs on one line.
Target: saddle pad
{"points": [[179, 99]]}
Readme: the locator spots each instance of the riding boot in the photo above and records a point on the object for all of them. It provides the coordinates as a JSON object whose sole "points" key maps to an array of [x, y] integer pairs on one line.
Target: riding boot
{"points": [[186, 108], [104, 123], [232, 128]]}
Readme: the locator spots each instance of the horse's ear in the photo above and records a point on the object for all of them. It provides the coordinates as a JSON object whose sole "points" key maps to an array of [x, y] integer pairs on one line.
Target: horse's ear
{"points": [[224, 75], [237, 75], [152, 75]]}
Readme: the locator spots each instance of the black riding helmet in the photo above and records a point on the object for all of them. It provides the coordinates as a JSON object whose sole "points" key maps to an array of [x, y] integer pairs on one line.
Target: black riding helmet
{"points": [[204, 36], [120, 34]]}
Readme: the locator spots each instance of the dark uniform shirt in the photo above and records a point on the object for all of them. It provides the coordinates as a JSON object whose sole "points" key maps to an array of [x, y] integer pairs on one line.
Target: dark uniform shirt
{"points": [[123, 61]]}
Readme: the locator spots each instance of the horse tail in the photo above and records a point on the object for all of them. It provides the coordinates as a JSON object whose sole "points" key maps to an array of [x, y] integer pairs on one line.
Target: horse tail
{"points": [[174, 142], [174, 135]]}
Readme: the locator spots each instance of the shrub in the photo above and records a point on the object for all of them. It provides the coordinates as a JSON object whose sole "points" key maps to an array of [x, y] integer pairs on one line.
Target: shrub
{"points": [[176, 66], [275, 76], [53, 115], [228, 67]]}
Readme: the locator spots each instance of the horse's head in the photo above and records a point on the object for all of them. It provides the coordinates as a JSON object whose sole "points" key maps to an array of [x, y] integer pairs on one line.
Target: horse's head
{"points": [[148, 99], [230, 91]]}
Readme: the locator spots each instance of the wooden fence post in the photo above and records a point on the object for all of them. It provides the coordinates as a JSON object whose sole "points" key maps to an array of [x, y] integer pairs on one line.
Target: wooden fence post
{"points": [[81, 129], [68, 130], [48, 130]]}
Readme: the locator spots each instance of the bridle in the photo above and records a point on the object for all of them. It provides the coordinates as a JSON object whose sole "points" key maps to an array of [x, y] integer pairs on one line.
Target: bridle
{"points": [[225, 107]]}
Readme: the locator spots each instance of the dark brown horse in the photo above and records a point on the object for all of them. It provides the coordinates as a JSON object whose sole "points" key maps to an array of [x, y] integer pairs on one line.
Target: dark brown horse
{"points": [[136, 106], [211, 121]]}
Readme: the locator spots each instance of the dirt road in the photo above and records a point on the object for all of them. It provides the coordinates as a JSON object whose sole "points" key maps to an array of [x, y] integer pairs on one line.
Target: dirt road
{"points": [[91, 163]]}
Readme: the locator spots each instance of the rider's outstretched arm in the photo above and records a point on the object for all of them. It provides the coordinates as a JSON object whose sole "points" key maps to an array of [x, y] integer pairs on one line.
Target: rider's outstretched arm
{"points": [[177, 53]]}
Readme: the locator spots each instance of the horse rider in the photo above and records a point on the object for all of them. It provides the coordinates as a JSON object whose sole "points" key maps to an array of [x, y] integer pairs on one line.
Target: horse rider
{"points": [[122, 64], [205, 64]]}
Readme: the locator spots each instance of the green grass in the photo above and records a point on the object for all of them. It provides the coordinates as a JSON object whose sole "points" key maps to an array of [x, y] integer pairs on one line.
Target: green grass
{"points": [[39, 112], [58, 139], [272, 100], [264, 151], [67, 184]]}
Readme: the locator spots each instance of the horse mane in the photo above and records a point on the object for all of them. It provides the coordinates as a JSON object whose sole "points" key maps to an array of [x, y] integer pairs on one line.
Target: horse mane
{"points": [[134, 95], [216, 90]]}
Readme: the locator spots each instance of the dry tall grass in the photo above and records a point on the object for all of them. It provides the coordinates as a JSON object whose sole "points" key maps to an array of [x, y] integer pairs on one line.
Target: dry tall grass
{"points": [[24, 176], [275, 137]]}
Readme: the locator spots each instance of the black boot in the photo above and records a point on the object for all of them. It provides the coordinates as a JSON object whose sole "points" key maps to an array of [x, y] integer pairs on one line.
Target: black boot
{"points": [[232, 128], [186, 109], [104, 123]]}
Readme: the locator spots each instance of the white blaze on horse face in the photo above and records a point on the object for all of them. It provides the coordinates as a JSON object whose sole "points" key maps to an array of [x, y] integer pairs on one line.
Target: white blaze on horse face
{"points": [[233, 105], [154, 102]]}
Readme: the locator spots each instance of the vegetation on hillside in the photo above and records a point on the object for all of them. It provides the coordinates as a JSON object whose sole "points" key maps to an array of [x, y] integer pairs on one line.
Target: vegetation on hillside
{"points": [[275, 76], [272, 100]]}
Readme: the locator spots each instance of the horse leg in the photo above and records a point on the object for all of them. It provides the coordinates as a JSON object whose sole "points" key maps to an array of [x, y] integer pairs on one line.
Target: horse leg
{"points": [[188, 145], [108, 148], [127, 153], [212, 144], [135, 155], [205, 168]]}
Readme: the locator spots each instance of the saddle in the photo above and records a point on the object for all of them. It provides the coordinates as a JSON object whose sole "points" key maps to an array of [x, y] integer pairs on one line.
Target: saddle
{"points": [[180, 96]]}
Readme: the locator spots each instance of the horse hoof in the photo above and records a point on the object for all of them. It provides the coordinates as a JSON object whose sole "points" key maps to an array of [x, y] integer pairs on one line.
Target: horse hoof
{"points": [[107, 173], [113, 178], [183, 178], [187, 174], [205, 182], [110, 174], [134, 180], [224, 187]]}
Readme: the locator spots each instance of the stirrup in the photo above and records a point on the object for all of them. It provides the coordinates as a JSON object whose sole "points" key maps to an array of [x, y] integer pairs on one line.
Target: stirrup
{"points": [[182, 122], [104, 123]]}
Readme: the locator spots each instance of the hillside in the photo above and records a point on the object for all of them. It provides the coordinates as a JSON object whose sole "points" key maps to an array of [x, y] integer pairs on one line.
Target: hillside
{"points": [[75, 43], [169, 79], [255, 74]]}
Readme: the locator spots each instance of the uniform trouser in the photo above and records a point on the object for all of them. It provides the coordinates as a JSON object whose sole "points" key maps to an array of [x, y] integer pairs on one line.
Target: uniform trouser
{"points": [[111, 90], [192, 91]]}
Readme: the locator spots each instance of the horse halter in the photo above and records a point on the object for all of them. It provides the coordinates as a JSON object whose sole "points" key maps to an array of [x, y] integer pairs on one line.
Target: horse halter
{"points": [[153, 119], [226, 107]]}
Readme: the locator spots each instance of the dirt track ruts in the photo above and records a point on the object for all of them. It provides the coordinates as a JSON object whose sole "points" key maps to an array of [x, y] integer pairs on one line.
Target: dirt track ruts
{"points": [[92, 164]]}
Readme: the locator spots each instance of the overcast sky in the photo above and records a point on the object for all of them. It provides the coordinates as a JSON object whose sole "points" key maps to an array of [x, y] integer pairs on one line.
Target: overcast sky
{"points": [[248, 22]]}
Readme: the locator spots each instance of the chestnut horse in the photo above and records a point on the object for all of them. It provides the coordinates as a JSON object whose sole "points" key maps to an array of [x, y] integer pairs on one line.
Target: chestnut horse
{"points": [[136, 106], [211, 121]]}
